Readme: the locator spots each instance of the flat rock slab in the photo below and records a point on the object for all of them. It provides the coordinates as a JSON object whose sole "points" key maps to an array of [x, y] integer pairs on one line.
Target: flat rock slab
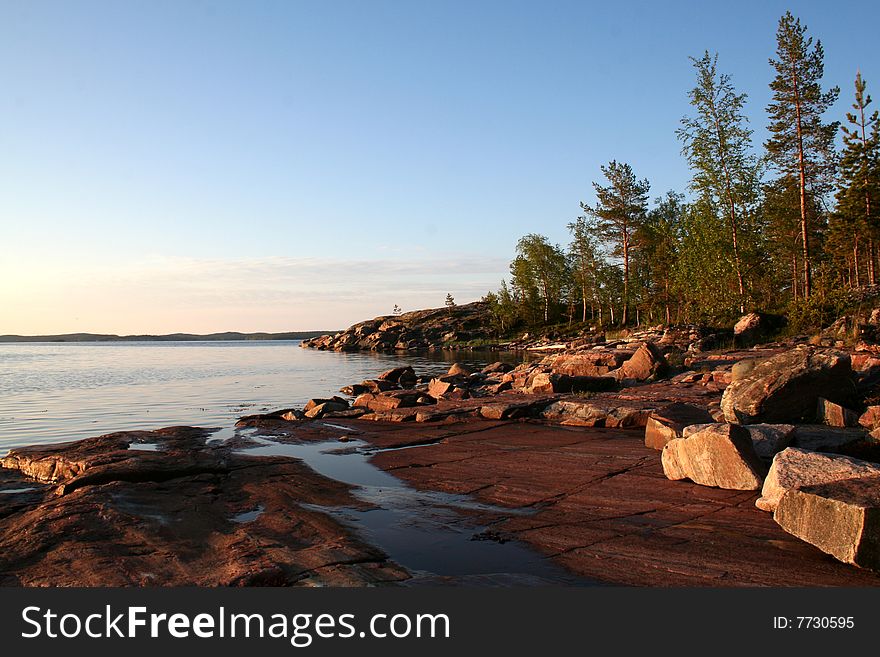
{"points": [[841, 518], [181, 514], [599, 504]]}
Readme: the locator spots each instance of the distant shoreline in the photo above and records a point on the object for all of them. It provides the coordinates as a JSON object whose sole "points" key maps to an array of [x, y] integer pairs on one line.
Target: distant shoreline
{"points": [[228, 336]]}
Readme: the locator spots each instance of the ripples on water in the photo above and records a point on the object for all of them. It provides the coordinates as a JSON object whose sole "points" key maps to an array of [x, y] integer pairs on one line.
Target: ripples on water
{"points": [[51, 392]]}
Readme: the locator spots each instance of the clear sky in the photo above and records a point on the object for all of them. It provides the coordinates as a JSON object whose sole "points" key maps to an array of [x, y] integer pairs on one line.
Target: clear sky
{"points": [[207, 165]]}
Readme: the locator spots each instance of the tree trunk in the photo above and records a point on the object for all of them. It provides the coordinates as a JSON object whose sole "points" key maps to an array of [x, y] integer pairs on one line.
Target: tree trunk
{"points": [[871, 275], [871, 278], [733, 218], [625, 318], [802, 175], [857, 279]]}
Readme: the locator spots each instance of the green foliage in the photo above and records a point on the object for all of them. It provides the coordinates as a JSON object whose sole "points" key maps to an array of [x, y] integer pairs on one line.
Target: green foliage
{"points": [[718, 147], [739, 241], [703, 270], [798, 100], [828, 302], [540, 278]]}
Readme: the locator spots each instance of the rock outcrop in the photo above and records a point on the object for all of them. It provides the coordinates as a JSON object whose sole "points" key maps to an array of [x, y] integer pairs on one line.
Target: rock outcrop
{"points": [[786, 388], [413, 331], [753, 327], [183, 513]]}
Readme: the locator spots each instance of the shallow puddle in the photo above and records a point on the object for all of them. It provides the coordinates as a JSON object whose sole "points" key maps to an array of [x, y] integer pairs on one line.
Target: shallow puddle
{"points": [[145, 447], [248, 516], [434, 535]]}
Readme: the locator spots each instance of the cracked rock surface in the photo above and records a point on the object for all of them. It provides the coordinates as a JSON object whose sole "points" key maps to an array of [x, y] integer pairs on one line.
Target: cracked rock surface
{"points": [[603, 508]]}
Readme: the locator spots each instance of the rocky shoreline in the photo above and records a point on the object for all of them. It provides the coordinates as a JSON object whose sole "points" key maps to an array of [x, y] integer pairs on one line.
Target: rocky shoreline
{"points": [[641, 461]]}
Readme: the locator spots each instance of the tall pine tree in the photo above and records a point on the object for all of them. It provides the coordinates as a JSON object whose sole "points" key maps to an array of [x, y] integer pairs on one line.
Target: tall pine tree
{"points": [[619, 212], [858, 191], [801, 145]]}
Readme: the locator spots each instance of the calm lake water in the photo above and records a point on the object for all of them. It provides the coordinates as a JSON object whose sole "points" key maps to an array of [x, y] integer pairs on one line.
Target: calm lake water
{"points": [[51, 392]]}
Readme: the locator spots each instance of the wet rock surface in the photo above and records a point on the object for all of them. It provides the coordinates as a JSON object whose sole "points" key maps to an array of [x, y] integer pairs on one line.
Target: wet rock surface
{"points": [[160, 508], [603, 508]]}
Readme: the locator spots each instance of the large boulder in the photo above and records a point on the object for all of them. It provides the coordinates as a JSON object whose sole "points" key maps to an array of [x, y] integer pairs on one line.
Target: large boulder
{"points": [[841, 518], [720, 455], [586, 364], [767, 439], [670, 422], [646, 364], [870, 419], [379, 385], [496, 368], [403, 376], [822, 438], [326, 407], [457, 369], [386, 401], [794, 468], [752, 327], [787, 387], [446, 389], [546, 383]]}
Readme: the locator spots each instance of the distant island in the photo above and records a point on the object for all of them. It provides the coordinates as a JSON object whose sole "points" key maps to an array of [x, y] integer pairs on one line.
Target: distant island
{"points": [[171, 337]]}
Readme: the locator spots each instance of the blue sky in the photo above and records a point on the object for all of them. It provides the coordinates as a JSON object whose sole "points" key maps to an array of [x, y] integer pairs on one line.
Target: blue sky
{"points": [[202, 166]]}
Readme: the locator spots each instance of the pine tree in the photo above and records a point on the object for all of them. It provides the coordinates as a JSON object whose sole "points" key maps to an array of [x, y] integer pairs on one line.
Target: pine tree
{"points": [[857, 196], [718, 147], [801, 144], [620, 210]]}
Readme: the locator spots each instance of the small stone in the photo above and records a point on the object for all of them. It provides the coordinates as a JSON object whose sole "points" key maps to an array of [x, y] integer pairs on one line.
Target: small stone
{"points": [[457, 369], [835, 415], [870, 419]]}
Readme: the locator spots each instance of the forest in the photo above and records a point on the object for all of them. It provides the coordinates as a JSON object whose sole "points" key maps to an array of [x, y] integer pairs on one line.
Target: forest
{"points": [[791, 227]]}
